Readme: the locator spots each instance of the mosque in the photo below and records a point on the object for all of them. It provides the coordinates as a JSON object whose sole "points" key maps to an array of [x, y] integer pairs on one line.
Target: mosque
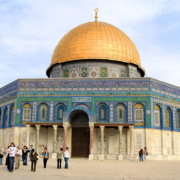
{"points": [[96, 101]]}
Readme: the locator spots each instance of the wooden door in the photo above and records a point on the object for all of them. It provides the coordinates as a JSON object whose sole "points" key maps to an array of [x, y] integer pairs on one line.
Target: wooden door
{"points": [[80, 142]]}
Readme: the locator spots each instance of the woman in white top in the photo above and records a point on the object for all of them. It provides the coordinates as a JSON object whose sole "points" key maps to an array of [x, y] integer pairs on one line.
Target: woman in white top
{"points": [[145, 153], [66, 157]]}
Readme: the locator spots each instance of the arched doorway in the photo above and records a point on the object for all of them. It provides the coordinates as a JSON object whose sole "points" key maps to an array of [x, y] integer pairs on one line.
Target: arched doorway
{"points": [[80, 134]]}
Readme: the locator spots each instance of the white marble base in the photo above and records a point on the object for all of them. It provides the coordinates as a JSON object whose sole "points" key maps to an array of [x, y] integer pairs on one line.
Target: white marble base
{"points": [[91, 157], [120, 157], [54, 155], [102, 157]]}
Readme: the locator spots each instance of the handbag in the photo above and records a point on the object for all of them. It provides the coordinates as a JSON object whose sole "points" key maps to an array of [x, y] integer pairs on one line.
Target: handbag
{"points": [[147, 154], [1, 155]]}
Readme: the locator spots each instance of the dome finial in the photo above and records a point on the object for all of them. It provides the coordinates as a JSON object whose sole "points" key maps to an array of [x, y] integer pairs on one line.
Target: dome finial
{"points": [[96, 17]]}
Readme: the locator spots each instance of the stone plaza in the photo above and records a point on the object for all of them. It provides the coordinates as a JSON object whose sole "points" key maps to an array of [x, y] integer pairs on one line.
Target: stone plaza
{"points": [[82, 169]]}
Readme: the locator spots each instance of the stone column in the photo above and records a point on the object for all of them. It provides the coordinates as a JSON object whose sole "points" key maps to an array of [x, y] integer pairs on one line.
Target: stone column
{"points": [[120, 142], [91, 126], [55, 142], [102, 142], [163, 142], [131, 142], [65, 136], [27, 135], [37, 137], [174, 143]]}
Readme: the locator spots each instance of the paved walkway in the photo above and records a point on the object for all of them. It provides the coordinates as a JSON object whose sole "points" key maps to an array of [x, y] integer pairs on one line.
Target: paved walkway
{"points": [[82, 169]]}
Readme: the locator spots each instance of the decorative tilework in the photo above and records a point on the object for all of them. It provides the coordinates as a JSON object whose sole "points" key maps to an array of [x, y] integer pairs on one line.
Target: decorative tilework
{"points": [[34, 111], [51, 110], [113, 72], [65, 73], [103, 71], [111, 111], [174, 119], [74, 72], [94, 72], [164, 119], [123, 73], [129, 111], [84, 72]]}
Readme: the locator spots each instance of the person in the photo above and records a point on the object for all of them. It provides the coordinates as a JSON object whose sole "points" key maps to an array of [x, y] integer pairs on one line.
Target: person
{"points": [[7, 157], [25, 151], [33, 158], [141, 155], [45, 156], [66, 157], [31, 147], [18, 157], [59, 158], [145, 153], [1, 155], [11, 152]]}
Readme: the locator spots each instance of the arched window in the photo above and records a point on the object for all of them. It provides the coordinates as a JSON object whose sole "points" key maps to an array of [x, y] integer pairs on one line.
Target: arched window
{"points": [[0, 118], [157, 115], [103, 114], [139, 113], [12, 115], [26, 117], [168, 117], [6, 116], [121, 113], [60, 110], [43, 112], [177, 119]]}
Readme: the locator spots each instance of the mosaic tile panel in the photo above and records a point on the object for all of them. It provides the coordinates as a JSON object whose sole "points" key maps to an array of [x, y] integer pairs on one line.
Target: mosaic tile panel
{"points": [[111, 111], [74, 72], [164, 117], [65, 73], [123, 73], [94, 72], [34, 110], [84, 72], [103, 71], [174, 119], [51, 110], [113, 72], [129, 111]]}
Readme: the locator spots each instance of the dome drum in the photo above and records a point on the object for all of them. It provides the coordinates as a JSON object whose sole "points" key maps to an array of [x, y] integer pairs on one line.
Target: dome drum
{"points": [[94, 69]]}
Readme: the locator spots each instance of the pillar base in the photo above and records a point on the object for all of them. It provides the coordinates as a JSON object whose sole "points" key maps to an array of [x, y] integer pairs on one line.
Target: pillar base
{"points": [[120, 157], [102, 157], [91, 157], [54, 155]]}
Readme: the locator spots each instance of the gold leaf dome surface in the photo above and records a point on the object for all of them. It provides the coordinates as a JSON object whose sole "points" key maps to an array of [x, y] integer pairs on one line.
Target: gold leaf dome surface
{"points": [[95, 40]]}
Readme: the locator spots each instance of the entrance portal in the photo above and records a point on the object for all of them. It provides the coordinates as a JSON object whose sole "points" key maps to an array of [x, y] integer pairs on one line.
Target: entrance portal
{"points": [[80, 135]]}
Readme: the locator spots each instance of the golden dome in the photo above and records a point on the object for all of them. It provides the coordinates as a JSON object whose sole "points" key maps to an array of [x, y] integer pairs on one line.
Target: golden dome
{"points": [[95, 40]]}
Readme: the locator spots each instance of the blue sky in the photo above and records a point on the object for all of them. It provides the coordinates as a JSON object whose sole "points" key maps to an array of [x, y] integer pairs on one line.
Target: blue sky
{"points": [[30, 30]]}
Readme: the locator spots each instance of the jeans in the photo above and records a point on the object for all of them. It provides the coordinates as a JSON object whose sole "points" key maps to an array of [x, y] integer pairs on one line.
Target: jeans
{"points": [[11, 163], [141, 157], [66, 163], [59, 163], [1, 160], [24, 159]]}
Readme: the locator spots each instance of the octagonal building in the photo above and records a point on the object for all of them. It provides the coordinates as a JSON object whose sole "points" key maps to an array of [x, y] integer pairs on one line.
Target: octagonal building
{"points": [[96, 101]]}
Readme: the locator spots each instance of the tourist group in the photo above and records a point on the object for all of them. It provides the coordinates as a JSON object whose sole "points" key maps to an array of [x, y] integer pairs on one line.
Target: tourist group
{"points": [[15, 154]]}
